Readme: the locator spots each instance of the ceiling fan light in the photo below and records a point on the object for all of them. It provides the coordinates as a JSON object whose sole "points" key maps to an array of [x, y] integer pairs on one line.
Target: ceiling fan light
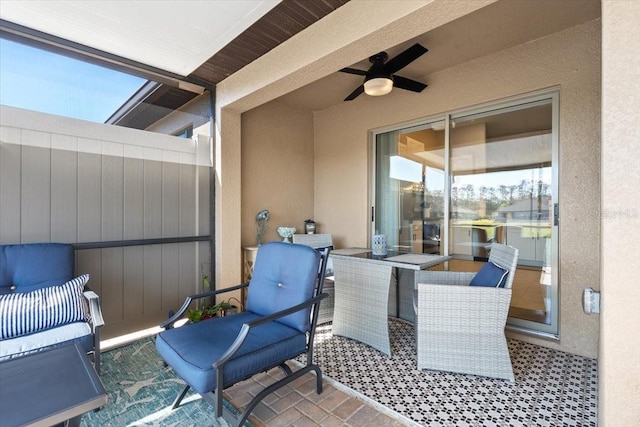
{"points": [[378, 86]]}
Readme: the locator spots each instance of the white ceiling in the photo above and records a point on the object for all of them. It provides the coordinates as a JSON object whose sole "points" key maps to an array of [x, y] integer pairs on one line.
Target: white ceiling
{"points": [[496, 27], [172, 35], [180, 35]]}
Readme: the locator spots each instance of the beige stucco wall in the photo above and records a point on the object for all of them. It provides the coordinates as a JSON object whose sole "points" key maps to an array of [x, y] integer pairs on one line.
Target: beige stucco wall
{"points": [[619, 362], [342, 153], [309, 55], [277, 169], [619, 383]]}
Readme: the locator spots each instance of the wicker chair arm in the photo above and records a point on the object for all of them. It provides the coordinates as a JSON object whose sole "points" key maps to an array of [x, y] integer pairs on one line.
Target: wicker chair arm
{"points": [[469, 307]]}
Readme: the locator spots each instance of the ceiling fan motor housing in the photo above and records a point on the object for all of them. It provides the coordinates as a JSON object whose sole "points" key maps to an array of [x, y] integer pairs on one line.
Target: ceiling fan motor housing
{"points": [[380, 78]]}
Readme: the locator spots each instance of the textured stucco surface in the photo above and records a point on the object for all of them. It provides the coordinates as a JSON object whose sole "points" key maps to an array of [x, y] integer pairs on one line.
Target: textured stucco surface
{"points": [[277, 169], [619, 361], [568, 60]]}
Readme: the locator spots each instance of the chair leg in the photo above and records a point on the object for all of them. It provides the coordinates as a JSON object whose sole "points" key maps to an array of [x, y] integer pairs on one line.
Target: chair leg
{"points": [[318, 378], [285, 368], [96, 360], [96, 350], [281, 383], [181, 396]]}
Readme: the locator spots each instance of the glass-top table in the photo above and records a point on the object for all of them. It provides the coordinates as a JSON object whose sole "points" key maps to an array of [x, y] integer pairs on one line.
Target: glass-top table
{"points": [[48, 387], [362, 285], [408, 260]]}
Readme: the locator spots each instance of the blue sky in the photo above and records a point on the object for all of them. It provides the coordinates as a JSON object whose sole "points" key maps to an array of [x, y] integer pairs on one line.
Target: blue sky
{"points": [[37, 80]]}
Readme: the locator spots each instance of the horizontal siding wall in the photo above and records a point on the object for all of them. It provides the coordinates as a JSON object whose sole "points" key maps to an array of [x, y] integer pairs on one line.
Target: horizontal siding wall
{"points": [[64, 185]]}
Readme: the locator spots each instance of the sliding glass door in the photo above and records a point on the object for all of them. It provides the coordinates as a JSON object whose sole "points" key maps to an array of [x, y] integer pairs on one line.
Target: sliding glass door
{"points": [[456, 185], [410, 184]]}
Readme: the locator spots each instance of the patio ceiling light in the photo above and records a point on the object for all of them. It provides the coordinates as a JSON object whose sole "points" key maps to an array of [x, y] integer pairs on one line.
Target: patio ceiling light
{"points": [[378, 86]]}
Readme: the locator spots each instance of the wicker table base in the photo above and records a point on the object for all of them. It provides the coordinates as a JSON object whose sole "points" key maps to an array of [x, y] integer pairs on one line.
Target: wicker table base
{"points": [[362, 285], [361, 302]]}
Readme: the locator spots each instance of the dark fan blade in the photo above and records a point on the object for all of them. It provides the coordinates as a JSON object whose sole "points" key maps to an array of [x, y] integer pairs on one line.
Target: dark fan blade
{"points": [[405, 58], [353, 95], [408, 84], [354, 71]]}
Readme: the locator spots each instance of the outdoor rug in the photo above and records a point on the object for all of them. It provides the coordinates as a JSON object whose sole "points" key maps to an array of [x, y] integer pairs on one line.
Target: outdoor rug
{"points": [[552, 388], [141, 390]]}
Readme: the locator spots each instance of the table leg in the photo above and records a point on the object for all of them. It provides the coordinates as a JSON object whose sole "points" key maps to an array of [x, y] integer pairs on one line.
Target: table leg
{"points": [[74, 422], [362, 302]]}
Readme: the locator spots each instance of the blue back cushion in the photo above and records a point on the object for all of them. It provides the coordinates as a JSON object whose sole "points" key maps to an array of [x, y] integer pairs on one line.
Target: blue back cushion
{"points": [[490, 275], [284, 275], [35, 265]]}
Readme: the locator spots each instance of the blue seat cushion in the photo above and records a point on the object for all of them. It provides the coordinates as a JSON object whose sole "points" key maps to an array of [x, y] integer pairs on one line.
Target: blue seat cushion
{"points": [[490, 275], [284, 275], [35, 265], [192, 349], [77, 331]]}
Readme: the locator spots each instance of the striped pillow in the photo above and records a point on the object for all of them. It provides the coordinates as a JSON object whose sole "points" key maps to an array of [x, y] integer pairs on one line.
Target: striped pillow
{"points": [[25, 313]]}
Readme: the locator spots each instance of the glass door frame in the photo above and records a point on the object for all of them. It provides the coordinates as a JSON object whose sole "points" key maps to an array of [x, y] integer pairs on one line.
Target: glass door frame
{"points": [[550, 330]]}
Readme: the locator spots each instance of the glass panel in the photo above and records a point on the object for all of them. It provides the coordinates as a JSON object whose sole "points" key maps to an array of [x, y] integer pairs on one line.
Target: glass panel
{"points": [[49, 82], [501, 191], [409, 207]]}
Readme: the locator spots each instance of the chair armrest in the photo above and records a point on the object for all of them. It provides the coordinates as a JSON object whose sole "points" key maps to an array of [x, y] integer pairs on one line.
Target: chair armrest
{"points": [[244, 332], [94, 309], [168, 324], [444, 277]]}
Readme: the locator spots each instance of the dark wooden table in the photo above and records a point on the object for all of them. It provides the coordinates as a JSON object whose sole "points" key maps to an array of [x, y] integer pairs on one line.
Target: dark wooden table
{"points": [[49, 387]]}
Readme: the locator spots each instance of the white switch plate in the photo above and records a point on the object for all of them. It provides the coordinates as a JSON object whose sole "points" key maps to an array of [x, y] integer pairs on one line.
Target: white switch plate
{"points": [[591, 301]]}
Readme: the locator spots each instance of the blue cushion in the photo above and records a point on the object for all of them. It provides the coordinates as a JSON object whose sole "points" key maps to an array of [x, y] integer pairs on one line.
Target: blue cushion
{"points": [[35, 265], [284, 275], [490, 275], [191, 349], [25, 313]]}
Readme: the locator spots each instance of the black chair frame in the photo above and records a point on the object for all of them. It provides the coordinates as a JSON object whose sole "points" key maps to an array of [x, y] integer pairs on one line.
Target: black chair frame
{"points": [[215, 398]]}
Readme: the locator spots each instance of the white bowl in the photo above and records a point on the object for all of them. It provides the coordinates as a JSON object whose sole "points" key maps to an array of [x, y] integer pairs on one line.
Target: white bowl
{"points": [[286, 233]]}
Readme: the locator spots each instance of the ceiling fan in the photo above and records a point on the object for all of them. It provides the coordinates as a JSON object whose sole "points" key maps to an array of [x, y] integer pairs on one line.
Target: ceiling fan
{"points": [[380, 78]]}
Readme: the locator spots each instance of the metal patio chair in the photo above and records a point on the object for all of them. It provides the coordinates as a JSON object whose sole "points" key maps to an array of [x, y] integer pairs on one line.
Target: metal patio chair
{"points": [[279, 325]]}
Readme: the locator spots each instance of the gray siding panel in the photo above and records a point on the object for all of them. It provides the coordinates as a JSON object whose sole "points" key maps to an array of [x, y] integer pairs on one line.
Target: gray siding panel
{"points": [[89, 197], [204, 197], [10, 183], [90, 262], [187, 200], [73, 197], [170, 277], [35, 204], [113, 293], [152, 265], [170, 199], [133, 281], [133, 199], [112, 198], [64, 196], [189, 270], [152, 199]]}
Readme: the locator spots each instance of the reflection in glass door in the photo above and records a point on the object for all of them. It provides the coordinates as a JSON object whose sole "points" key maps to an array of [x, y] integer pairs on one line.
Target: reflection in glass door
{"points": [[410, 188], [502, 191], [497, 184]]}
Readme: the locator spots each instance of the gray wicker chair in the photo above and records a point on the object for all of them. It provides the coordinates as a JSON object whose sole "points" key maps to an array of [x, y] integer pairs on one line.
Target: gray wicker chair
{"points": [[460, 328], [325, 314]]}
